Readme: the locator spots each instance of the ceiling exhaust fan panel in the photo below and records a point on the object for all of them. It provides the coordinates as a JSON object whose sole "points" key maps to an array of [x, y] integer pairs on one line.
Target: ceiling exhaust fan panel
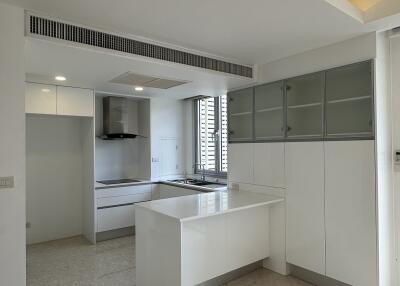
{"points": [[134, 79]]}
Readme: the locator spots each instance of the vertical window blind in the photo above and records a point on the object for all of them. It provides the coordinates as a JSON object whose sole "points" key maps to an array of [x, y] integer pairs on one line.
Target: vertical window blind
{"points": [[211, 136]]}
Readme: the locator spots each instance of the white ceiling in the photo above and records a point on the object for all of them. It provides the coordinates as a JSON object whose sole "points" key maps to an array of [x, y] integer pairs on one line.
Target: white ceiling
{"points": [[250, 32], [246, 32], [91, 68]]}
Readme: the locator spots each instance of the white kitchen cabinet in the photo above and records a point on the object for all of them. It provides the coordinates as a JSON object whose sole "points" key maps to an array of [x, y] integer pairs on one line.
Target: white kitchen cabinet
{"points": [[40, 98], [115, 206], [269, 164], [75, 101], [351, 246], [305, 226], [240, 162], [115, 217]]}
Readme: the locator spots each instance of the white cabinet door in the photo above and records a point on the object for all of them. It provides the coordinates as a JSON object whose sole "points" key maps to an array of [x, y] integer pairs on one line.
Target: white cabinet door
{"points": [[351, 254], [305, 228], [115, 217], [240, 163], [75, 101], [40, 98], [269, 164]]}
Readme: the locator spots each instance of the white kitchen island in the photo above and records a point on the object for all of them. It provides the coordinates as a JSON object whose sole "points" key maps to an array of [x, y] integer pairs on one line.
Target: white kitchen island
{"points": [[189, 240]]}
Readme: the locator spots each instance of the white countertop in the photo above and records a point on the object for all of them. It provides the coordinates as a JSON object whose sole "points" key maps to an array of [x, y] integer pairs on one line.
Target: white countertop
{"points": [[208, 204]]}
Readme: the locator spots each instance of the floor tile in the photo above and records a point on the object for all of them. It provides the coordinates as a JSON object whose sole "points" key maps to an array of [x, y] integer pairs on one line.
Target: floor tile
{"points": [[76, 262]]}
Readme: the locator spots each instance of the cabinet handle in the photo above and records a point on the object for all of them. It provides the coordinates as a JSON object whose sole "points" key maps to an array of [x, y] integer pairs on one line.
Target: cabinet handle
{"points": [[231, 132], [288, 128]]}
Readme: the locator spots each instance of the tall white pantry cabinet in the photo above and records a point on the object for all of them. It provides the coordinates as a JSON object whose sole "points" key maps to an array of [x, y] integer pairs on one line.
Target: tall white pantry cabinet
{"points": [[330, 207], [330, 202], [314, 137]]}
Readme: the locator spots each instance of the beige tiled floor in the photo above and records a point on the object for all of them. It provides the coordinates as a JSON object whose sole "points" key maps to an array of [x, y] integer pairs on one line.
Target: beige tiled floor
{"points": [[75, 262]]}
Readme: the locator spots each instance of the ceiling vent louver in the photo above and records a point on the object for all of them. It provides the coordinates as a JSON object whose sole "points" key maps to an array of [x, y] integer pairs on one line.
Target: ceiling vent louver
{"points": [[54, 29]]}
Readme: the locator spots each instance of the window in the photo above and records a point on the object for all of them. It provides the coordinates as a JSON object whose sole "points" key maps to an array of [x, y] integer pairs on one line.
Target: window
{"points": [[211, 137]]}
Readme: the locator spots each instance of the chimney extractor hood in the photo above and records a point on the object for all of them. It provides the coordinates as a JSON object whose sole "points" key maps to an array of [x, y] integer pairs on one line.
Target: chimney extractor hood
{"points": [[116, 118]]}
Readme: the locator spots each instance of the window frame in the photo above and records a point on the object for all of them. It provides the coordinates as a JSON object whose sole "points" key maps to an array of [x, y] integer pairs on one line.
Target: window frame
{"points": [[217, 117]]}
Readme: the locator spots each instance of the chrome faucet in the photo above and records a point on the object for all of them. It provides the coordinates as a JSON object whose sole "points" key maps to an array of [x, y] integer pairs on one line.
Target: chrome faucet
{"points": [[203, 168]]}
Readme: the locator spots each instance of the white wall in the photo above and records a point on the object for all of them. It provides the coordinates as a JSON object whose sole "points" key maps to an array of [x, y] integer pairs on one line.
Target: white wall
{"points": [[395, 91], [88, 195], [54, 177], [384, 161], [167, 133], [128, 158], [343, 53], [12, 146]]}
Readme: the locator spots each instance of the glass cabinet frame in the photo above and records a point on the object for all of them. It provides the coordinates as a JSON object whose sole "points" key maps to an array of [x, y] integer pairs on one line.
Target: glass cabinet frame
{"points": [[347, 135], [325, 136], [229, 116], [272, 109]]}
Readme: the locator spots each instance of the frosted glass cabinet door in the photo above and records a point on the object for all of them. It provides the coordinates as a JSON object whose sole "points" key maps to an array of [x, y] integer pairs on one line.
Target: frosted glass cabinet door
{"points": [[240, 117], [304, 96], [268, 113], [349, 101]]}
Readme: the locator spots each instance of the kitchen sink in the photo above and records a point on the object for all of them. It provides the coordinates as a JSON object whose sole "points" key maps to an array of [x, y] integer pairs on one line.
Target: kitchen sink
{"points": [[195, 182]]}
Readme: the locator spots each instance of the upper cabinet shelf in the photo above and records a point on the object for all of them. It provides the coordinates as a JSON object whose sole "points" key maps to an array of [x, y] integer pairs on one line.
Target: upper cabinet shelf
{"points": [[350, 99], [337, 104]]}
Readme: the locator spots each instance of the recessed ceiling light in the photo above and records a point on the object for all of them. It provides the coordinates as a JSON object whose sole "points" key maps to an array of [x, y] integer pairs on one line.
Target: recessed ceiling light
{"points": [[364, 5], [138, 88], [60, 78], [45, 90]]}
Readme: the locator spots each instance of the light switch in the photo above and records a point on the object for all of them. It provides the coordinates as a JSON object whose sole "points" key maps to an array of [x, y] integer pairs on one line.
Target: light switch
{"points": [[6, 182]]}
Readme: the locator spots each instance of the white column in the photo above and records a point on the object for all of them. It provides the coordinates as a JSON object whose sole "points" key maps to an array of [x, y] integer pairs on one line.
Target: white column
{"points": [[12, 146]]}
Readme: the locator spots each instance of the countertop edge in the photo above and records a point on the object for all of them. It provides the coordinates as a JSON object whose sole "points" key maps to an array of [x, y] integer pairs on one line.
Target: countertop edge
{"points": [[185, 186], [278, 200], [253, 205]]}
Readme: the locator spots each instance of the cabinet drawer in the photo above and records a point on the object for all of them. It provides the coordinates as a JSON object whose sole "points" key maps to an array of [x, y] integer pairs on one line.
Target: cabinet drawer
{"points": [[123, 191], [119, 200], [114, 218]]}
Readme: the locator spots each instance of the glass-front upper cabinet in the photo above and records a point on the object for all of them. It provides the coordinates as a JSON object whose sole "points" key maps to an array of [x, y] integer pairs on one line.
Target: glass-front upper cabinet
{"points": [[268, 112], [304, 101], [240, 115], [349, 101]]}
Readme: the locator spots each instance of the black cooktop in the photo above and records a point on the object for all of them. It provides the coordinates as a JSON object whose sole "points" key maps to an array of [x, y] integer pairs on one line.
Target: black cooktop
{"points": [[119, 181]]}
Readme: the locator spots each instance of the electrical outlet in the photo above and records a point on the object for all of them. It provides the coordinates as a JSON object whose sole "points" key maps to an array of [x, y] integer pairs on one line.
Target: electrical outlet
{"points": [[6, 182]]}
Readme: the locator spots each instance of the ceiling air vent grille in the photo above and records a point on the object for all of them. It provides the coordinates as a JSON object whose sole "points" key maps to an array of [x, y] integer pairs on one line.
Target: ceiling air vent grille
{"points": [[72, 33]]}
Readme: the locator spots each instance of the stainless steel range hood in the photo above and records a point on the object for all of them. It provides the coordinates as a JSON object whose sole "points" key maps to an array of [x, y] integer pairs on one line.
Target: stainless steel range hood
{"points": [[116, 118]]}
